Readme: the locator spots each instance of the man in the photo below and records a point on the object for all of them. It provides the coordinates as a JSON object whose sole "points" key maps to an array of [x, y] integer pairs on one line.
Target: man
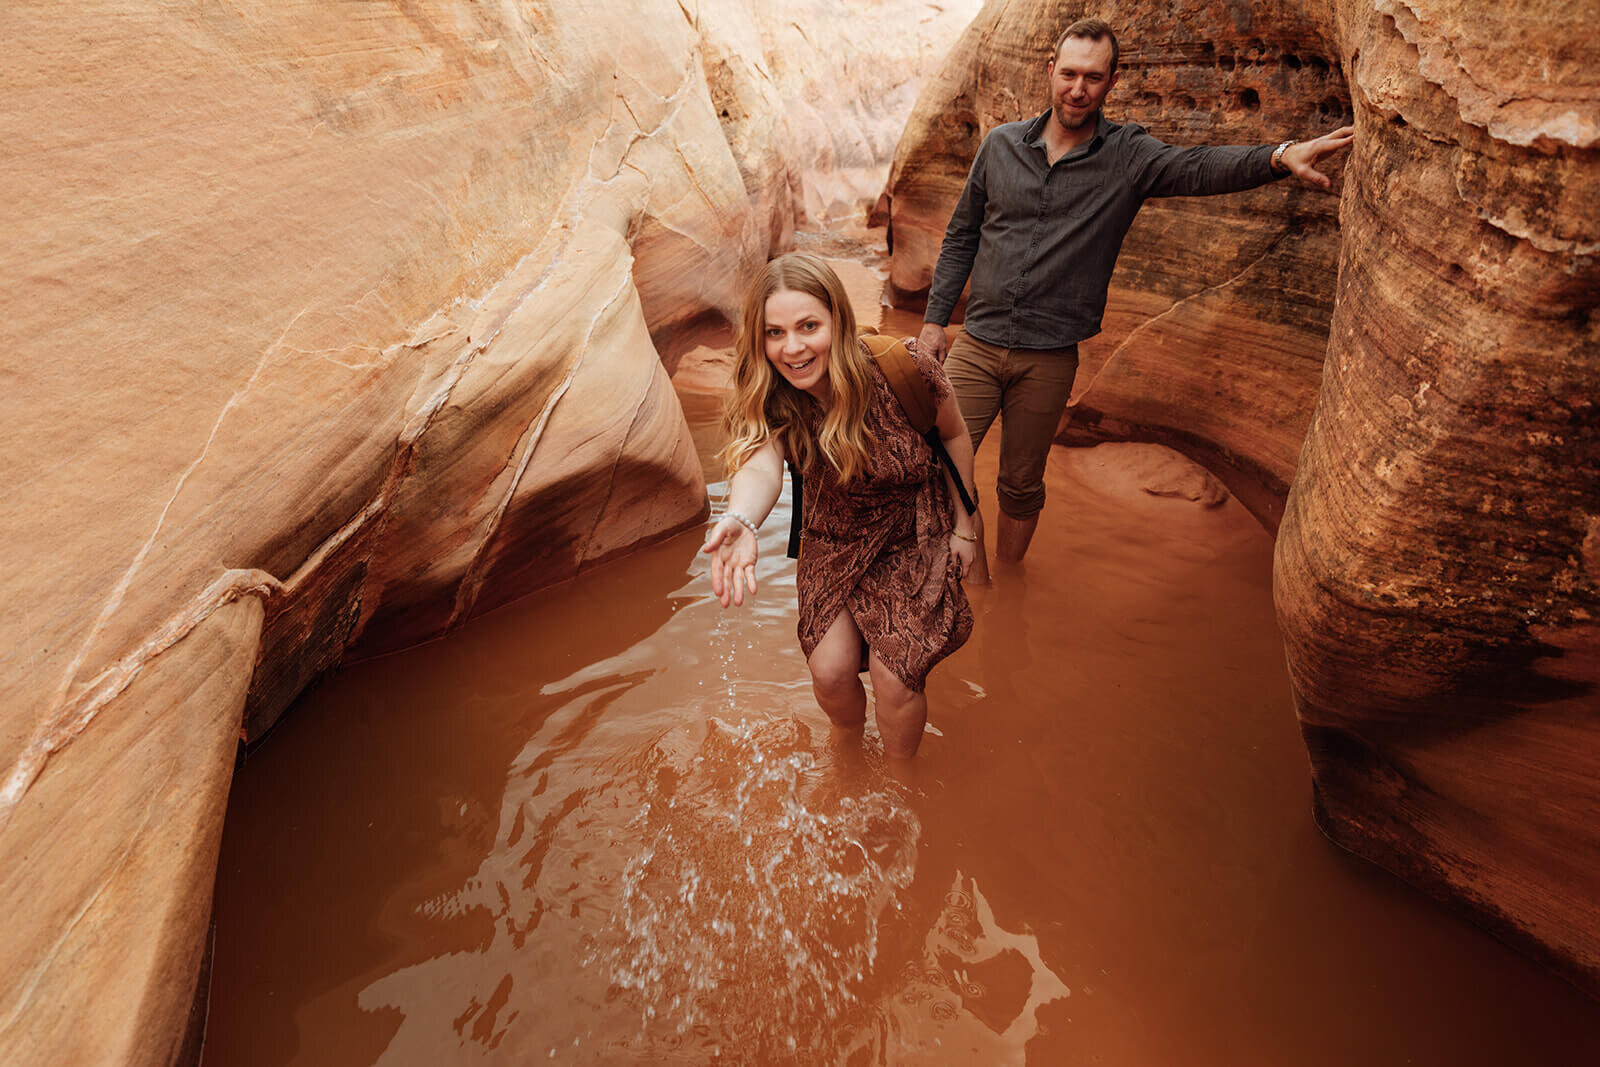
{"points": [[1038, 228]]}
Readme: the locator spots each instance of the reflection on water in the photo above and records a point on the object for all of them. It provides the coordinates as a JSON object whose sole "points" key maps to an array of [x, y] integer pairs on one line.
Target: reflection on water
{"points": [[975, 991]]}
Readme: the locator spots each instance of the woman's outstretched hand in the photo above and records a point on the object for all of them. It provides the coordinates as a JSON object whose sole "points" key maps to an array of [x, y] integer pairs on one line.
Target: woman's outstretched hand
{"points": [[733, 561]]}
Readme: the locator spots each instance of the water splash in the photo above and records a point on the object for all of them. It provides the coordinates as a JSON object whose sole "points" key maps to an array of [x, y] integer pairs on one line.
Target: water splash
{"points": [[751, 914]]}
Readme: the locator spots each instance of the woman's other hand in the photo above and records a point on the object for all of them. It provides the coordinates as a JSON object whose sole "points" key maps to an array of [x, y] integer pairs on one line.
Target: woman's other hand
{"points": [[965, 550], [733, 561]]}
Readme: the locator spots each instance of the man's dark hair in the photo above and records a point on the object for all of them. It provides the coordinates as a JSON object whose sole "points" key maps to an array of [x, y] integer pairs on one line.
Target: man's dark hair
{"points": [[1093, 30]]}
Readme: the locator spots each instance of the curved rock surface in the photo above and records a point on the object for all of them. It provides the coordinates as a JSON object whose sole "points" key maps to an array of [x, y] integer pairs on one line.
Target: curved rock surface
{"points": [[1438, 569], [330, 328], [1423, 369]]}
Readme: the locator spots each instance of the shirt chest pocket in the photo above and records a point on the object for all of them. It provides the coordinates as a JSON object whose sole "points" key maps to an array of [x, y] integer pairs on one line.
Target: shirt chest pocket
{"points": [[1081, 191]]}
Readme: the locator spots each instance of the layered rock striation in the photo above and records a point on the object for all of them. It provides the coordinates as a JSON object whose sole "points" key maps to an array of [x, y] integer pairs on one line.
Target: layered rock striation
{"points": [[330, 328], [1438, 568], [1407, 386]]}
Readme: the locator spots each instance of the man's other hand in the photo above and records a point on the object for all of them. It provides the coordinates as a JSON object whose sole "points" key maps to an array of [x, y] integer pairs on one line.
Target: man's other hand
{"points": [[932, 341]]}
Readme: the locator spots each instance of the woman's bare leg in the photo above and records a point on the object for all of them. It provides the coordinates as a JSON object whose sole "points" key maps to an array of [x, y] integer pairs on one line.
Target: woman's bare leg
{"points": [[836, 674], [901, 712]]}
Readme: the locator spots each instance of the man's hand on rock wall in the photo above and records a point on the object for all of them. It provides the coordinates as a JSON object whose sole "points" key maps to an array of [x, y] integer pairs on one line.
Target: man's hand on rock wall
{"points": [[1302, 157]]}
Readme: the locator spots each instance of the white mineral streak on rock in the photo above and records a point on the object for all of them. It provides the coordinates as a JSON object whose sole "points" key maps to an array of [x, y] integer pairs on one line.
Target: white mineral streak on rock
{"points": [[75, 714]]}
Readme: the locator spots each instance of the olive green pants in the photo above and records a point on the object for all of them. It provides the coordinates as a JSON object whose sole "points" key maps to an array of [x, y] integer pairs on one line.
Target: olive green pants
{"points": [[1028, 389]]}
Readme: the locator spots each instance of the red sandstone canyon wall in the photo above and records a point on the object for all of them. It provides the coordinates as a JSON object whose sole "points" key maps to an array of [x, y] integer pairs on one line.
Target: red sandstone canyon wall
{"points": [[1438, 569], [1405, 375], [331, 326]]}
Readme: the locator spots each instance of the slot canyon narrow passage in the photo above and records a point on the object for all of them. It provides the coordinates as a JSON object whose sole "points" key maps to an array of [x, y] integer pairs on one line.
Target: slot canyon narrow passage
{"points": [[608, 824]]}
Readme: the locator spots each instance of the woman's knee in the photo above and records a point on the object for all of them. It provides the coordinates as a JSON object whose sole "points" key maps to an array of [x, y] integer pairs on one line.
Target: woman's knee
{"points": [[887, 688], [835, 675]]}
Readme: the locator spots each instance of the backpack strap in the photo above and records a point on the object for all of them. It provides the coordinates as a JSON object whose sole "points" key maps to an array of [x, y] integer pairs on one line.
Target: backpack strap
{"points": [[905, 378], [797, 492], [968, 500], [916, 398]]}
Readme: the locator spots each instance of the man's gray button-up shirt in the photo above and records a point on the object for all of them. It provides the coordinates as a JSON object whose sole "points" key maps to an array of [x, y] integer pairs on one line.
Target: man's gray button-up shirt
{"points": [[1040, 241]]}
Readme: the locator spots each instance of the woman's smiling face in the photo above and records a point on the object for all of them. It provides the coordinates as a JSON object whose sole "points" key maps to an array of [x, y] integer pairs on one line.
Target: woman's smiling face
{"points": [[799, 338]]}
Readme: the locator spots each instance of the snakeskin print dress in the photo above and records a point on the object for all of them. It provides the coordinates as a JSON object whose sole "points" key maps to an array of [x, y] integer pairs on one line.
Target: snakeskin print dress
{"points": [[879, 546]]}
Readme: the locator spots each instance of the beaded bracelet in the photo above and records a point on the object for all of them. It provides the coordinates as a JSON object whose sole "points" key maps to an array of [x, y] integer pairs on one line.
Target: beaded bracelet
{"points": [[742, 521]]}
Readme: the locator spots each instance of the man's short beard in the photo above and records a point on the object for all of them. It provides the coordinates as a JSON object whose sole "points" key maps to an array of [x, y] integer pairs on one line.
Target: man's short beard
{"points": [[1088, 118]]}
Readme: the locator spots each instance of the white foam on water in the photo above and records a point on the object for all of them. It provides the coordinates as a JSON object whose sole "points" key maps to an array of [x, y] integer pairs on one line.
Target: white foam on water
{"points": [[751, 914]]}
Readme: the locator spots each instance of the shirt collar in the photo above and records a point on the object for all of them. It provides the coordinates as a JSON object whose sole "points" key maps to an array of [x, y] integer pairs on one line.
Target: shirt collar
{"points": [[1033, 136]]}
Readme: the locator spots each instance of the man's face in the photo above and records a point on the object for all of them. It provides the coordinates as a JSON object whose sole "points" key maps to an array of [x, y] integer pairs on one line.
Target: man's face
{"points": [[1080, 77]]}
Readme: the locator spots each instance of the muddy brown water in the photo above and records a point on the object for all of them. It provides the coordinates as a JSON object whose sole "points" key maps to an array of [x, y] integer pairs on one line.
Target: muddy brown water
{"points": [[608, 824]]}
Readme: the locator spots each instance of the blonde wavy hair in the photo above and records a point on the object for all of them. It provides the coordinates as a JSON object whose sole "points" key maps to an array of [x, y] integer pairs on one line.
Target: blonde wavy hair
{"points": [[763, 406]]}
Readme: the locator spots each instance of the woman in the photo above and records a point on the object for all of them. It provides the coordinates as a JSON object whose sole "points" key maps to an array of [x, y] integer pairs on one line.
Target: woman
{"points": [[884, 544]]}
